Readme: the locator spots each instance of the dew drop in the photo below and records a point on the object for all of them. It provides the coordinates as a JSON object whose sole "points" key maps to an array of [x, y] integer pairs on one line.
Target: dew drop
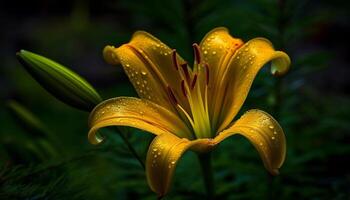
{"points": [[214, 52], [144, 73], [127, 65], [275, 132], [261, 144], [272, 137], [155, 149], [173, 162], [271, 127], [205, 52]]}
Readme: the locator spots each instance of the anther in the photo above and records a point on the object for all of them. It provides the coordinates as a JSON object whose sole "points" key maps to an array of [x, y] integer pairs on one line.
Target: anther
{"points": [[194, 81], [183, 88], [172, 96], [207, 72], [174, 58], [185, 70], [197, 54]]}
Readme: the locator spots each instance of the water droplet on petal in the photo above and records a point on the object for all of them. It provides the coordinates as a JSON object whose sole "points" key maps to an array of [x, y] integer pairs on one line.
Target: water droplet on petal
{"points": [[271, 127]]}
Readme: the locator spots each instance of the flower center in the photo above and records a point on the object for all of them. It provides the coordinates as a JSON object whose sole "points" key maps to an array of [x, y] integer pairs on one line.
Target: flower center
{"points": [[194, 86]]}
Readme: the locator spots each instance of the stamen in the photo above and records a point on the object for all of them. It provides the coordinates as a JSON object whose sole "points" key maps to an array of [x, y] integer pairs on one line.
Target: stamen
{"points": [[207, 73], [186, 114], [197, 53], [185, 70], [194, 81], [174, 58], [172, 96], [183, 88]]}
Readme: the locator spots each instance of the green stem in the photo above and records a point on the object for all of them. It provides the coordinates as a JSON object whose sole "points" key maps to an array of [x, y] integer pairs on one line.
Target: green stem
{"points": [[207, 170], [130, 147]]}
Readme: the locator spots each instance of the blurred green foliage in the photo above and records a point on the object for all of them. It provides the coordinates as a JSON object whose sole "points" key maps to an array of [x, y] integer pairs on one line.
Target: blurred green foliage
{"points": [[61, 164]]}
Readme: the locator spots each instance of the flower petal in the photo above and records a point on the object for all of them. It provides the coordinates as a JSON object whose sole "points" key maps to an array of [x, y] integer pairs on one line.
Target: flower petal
{"points": [[241, 72], [150, 67], [163, 156], [217, 47], [137, 113], [264, 132]]}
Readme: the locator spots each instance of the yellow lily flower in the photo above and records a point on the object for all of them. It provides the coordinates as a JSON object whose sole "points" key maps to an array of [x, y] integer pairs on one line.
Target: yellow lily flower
{"points": [[192, 108]]}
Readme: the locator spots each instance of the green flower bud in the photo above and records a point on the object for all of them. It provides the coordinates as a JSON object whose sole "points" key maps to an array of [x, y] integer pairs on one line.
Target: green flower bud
{"points": [[61, 82]]}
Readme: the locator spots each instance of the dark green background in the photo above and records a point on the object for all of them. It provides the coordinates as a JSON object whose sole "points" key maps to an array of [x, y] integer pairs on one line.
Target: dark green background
{"points": [[311, 102]]}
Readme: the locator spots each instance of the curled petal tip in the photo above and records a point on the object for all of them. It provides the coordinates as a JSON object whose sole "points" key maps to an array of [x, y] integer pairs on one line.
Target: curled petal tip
{"points": [[95, 138], [281, 64], [109, 55]]}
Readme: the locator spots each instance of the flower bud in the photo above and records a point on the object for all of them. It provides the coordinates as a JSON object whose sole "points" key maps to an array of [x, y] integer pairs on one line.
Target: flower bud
{"points": [[61, 82]]}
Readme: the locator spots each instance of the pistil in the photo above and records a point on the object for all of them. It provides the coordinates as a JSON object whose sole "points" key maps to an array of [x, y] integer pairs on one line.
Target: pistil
{"points": [[192, 89]]}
